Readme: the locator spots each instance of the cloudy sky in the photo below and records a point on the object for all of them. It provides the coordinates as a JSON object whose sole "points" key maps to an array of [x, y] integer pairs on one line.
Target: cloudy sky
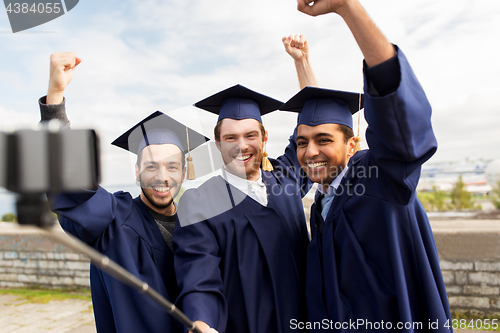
{"points": [[145, 55]]}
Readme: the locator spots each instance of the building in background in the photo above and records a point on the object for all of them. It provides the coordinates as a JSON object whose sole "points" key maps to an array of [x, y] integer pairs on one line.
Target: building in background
{"points": [[479, 176]]}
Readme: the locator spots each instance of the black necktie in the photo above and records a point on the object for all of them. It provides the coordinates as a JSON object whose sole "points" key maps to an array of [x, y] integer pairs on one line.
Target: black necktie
{"points": [[318, 219]]}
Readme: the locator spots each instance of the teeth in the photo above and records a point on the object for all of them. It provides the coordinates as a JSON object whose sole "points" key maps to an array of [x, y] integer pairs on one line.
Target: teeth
{"points": [[243, 157], [161, 189], [315, 165]]}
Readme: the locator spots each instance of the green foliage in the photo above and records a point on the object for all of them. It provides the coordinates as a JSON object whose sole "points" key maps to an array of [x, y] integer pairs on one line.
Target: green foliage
{"points": [[439, 198], [9, 217], [436, 200], [476, 322], [496, 195], [33, 295], [460, 197]]}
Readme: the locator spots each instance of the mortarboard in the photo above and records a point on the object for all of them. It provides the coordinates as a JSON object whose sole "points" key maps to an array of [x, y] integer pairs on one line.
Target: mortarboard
{"points": [[318, 106], [158, 128], [239, 102]]}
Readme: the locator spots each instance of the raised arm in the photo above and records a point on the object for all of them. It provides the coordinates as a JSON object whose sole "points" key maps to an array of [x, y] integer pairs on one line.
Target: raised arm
{"points": [[87, 214], [52, 106], [373, 44], [397, 111], [399, 132], [298, 48]]}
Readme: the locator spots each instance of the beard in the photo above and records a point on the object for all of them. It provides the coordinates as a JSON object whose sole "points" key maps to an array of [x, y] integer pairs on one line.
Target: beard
{"points": [[156, 203]]}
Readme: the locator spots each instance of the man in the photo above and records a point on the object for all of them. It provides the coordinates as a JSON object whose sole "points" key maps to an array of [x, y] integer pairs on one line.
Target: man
{"points": [[135, 233], [241, 244], [372, 263]]}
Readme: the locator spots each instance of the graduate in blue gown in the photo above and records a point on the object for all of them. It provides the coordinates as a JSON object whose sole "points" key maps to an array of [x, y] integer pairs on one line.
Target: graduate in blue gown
{"points": [[372, 264], [241, 244], [134, 232]]}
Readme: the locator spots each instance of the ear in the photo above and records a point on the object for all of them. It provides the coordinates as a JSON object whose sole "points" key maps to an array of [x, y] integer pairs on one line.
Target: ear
{"points": [[217, 143], [184, 174], [264, 140], [351, 143]]}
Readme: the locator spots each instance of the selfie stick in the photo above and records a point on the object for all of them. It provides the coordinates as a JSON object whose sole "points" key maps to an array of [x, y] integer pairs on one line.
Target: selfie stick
{"points": [[37, 163], [33, 209]]}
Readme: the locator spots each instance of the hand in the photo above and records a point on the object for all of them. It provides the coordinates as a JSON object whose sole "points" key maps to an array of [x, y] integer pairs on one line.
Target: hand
{"points": [[202, 326], [62, 65], [296, 46], [319, 7], [372, 43]]}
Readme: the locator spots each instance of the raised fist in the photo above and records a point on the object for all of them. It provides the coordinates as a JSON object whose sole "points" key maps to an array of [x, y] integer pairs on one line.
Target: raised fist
{"points": [[296, 46], [62, 65]]}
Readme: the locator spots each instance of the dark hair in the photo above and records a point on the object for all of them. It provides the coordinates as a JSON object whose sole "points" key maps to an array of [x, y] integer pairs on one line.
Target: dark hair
{"points": [[347, 131], [219, 124], [139, 157]]}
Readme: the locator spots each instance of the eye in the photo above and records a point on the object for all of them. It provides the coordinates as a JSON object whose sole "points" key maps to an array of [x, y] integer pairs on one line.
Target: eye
{"points": [[150, 168], [302, 144], [325, 141], [173, 168]]}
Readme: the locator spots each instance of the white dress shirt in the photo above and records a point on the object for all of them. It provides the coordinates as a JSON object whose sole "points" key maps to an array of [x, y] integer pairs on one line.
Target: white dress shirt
{"points": [[327, 200], [254, 189]]}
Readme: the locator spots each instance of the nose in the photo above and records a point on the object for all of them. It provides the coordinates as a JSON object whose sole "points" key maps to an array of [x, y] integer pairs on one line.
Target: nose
{"points": [[311, 150], [242, 144], [162, 174]]}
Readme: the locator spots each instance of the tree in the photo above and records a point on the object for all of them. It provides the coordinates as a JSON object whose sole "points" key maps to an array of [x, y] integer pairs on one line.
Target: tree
{"points": [[460, 197], [496, 195], [9, 217], [435, 200], [438, 200]]}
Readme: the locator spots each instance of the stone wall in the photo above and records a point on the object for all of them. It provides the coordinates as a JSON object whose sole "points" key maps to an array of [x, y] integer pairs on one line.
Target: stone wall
{"points": [[28, 259], [469, 254], [470, 263], [473, 286]]}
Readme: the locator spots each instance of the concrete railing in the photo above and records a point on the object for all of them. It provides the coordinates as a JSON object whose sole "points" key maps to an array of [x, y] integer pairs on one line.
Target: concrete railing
{"points": [[469, 252], [28, 258]]}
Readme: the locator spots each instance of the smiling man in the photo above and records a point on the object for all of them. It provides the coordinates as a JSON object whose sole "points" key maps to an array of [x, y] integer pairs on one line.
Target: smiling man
{"points": [[241, 145], [372, 263], [328, 151], [135, 233], [241, 244], [166, 160]]}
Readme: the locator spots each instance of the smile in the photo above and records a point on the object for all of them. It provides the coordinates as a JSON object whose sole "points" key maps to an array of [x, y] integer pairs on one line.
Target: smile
{"points": [[243, 157], [161, 189], [314, 165]]}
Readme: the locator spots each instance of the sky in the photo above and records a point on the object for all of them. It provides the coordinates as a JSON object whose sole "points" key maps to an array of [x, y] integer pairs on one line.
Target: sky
{"points": [[145, 55]]}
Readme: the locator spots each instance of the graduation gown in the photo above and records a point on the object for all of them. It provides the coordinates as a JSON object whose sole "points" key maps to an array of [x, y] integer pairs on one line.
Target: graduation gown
{"points": [[240, 265], [122, 228], [375, 259]]}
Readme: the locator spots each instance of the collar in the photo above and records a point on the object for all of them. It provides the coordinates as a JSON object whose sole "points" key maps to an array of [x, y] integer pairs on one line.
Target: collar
{"points": [[160, 217], [334, 184], [241, 183], [254, 189]]}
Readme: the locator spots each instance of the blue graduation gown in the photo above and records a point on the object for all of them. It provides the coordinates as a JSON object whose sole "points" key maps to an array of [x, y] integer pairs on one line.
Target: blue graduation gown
{"points": [[122, 228], [242, 268], [376, 259]]}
